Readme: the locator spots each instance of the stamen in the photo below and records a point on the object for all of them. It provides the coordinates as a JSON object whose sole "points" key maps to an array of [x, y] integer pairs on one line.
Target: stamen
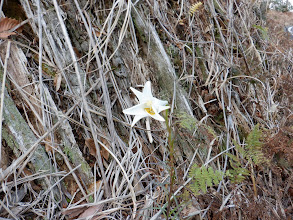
{"points": [[149, 108], [150, 111]]}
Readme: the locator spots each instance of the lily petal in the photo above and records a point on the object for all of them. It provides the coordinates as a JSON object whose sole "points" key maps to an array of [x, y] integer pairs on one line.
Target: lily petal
{"points": [[162, 108], [138, 94], [135, 110], [148, 106], [137, 118], [157, 117], [159, 102], [147, 91]]}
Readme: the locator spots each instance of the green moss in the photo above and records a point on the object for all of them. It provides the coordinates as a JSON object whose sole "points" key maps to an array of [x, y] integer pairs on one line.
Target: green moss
{"points": [[91, 199], [74, 158], [68, 152], [139, 30], [84, 166], [172, 50], [211, 131], [201, 62], [10, 140], [48, 70]]}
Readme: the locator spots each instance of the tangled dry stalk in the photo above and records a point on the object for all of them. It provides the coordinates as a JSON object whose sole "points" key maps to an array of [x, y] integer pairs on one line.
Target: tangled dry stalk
{"points": [[69, 152]]}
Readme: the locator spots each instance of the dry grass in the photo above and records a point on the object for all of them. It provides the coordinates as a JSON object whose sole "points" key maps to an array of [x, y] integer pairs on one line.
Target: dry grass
{"points": [[70, 77]]}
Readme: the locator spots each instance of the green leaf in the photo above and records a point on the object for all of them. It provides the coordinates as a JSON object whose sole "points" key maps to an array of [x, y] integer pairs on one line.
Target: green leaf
{"points": [[203, 177]]}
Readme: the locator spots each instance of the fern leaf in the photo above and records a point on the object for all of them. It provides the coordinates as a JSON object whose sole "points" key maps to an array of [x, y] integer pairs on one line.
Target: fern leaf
{"points": [[194, 8], [187, 121], [203, 177], [251, 152], [254, 146], [237, 173]]}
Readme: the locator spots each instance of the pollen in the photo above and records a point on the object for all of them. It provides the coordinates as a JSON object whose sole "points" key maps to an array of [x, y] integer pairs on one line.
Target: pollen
{"points": [[149, 109]]}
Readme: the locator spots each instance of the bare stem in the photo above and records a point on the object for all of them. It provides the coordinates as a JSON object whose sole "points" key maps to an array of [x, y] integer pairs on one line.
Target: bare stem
{"points": [[171, 164], [148, 127]]}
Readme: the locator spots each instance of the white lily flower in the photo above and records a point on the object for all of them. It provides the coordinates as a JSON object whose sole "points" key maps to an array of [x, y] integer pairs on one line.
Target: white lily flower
{"points": [[148, 106]]}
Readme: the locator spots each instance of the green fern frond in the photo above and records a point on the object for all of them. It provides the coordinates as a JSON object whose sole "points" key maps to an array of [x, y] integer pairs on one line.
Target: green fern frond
{"points": [[251, 152], [237, 175], [187, 121], [203, 177], [253, 149]]}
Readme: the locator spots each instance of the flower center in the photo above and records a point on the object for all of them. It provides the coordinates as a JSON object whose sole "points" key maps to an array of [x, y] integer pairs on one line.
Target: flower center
{"points": [[149, 108]]}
